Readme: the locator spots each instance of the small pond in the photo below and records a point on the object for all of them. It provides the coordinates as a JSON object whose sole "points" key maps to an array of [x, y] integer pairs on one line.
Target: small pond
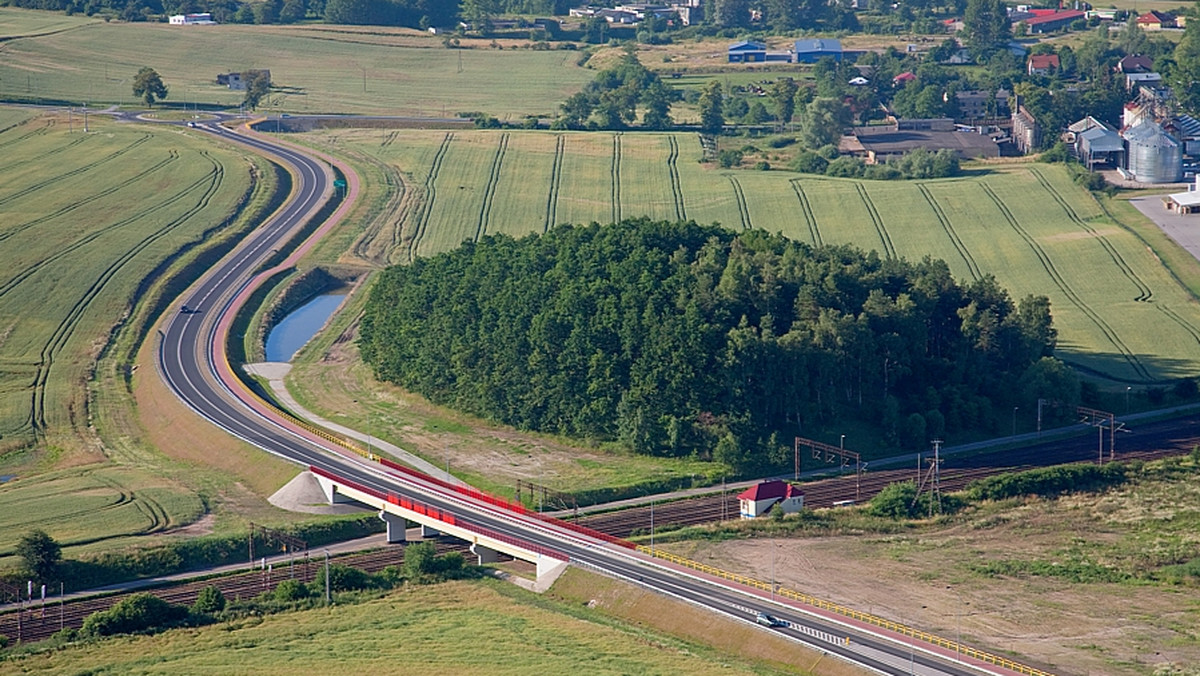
{"points": [[296, 329]]}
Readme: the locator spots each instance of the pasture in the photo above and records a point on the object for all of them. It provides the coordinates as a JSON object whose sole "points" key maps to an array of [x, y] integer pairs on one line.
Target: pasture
{"points": [[1027, 224], [315, 69], [87, 219]]}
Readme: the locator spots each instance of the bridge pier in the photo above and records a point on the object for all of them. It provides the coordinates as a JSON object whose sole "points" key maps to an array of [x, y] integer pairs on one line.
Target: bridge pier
{"points": [[396, 525], [427, 532], [485, 555], [331, 492]]}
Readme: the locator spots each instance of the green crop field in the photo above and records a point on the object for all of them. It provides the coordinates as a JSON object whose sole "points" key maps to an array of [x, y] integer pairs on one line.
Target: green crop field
{"points": [[315, 68], [79, 507], [1028, 225], [20, 22], [450, 628], [87, 218]]}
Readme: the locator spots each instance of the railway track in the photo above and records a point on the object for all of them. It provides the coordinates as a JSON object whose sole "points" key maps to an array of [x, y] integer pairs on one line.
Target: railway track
{"points": [[38, 622]]}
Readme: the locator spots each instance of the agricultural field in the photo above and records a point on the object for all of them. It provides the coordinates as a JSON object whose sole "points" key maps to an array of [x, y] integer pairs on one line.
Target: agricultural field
{"points": [[315, 69], [18, 23], [454, 627], [1027, 224]]}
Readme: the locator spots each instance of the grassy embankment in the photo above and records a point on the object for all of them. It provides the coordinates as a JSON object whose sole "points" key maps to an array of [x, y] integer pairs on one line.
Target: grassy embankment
{"points": [[1085, 583], [454, 627], [100, 228], [315, 68]]}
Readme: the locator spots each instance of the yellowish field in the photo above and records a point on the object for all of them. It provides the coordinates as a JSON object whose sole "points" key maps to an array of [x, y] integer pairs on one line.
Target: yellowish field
{"points": [[1026, 224]]}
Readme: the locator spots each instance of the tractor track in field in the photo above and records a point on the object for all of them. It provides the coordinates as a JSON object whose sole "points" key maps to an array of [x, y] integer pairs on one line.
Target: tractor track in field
{"points": [[810, 218], [430, 196], [676, 186], [1061, 283], [30, 134], [555, 183], [1183, 323], [489, 191], [42, 156], [615, 175], [389, 139], [740, 197], [962, 249], [1144, 290], [16, 229], [888, 249], [21, 276], [66, 328], [74, 172]]}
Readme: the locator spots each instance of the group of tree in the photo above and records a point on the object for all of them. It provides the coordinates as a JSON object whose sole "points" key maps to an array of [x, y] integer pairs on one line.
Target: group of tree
{"points": [[149, 87], [919, 163], [611, 99], [678, 339]]}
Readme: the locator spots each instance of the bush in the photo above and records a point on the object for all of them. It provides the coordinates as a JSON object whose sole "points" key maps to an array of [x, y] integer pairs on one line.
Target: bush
{"points": [[1048, 481], [139, 612], [781, 141], [344, 578], [809, 162], [1057, 154], [729, 158], [882, 172], [845, 167], [290, 591], [1185, 388], [762, 165], [829, 152], [895, 501], [3, 641], [210, 600]]}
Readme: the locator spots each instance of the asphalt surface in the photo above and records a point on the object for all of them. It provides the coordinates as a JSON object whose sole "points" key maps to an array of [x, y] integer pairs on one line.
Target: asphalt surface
{"points": [[191, 359]]}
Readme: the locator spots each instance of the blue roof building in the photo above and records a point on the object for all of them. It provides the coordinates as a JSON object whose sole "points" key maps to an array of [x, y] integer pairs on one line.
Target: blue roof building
{"points": [[747, 52], [811, 51]]}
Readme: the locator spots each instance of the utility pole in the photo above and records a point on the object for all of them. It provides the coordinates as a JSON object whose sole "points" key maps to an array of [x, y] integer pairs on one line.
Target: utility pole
{"points": [[651, 529], [326, 577]]}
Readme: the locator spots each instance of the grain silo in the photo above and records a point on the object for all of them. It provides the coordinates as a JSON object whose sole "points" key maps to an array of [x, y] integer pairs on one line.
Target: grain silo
{"points": [[1154, 156]]}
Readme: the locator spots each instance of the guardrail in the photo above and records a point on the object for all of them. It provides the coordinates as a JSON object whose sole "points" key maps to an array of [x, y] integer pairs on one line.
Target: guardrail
{"points": [[441, 515], [896, 627]]}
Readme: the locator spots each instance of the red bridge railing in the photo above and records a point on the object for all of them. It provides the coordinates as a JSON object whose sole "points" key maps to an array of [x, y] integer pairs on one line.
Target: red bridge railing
{"points": [[440, 515]]}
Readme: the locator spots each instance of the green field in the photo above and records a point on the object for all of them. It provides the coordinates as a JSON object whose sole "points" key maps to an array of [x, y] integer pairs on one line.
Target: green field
{"points": [[1027, 224], [87, 218], [451, 628], [314, 68], [20, 22]]}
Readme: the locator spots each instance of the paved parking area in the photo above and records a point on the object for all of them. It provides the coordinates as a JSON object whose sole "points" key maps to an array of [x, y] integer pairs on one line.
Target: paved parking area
{"points": [[1183, 229]]}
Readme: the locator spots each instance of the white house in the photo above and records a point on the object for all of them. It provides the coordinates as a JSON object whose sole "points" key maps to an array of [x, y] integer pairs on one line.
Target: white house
{"points": [[758, 500], [204, 19]]}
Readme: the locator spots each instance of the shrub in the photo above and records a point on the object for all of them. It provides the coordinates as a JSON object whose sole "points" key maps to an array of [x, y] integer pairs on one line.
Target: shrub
{"points": [[1047, 481], [895, 501], [762, 165], [209, 600], [845, 167], [3, 641], [729, 158], [139, 612], [1185, 388], [290, 591], [829, 152], [809, 162], [781, 141], [345, 578], [882, 172], [1058, 153]]}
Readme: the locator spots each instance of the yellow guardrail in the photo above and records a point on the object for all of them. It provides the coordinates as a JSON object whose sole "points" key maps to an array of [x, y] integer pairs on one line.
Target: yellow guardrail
{"points": [[844, 611]]}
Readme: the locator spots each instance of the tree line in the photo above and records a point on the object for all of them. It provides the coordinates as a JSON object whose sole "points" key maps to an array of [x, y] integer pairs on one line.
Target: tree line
{"points": [[679, 339]]}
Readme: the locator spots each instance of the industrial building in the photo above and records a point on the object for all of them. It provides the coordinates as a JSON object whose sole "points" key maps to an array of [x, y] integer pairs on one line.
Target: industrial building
{"points": [[811, 51], [1153, 155]]}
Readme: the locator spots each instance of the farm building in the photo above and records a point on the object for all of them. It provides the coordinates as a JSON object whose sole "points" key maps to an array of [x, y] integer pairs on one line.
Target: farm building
{"points": [[237, 81], [758, 500], [203, 19], [881, 143], [1154, 156], [811, 51], [1053, 21], [747, 52], [1184, 202], [1100, 145]]}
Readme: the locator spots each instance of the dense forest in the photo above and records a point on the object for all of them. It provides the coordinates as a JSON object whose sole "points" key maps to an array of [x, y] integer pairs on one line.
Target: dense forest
{"points": [[681, 339]]}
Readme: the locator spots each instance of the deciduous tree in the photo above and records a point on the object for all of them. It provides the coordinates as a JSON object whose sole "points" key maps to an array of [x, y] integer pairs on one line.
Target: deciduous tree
{"points": [[149, 86]]}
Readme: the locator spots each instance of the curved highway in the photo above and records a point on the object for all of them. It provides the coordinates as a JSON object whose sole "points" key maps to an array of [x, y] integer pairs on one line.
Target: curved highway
{"points": [[191, 359]]}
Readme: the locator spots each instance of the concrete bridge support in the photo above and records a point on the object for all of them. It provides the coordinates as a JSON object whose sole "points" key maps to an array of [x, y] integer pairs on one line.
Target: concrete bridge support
{"points": [[396, 525], [485, 555], [330, 490], [427, 532]]}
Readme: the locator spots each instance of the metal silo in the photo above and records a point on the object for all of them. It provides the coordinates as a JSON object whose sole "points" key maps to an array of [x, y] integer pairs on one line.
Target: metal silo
{"points": [[1154, 156]]}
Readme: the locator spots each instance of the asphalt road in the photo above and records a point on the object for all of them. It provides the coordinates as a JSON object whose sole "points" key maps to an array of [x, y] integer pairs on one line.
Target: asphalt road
{"points": [[191, 360]]}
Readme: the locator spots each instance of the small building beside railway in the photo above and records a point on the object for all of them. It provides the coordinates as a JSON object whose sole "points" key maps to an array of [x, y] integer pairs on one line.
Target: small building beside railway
{"points": [[758, 500]]}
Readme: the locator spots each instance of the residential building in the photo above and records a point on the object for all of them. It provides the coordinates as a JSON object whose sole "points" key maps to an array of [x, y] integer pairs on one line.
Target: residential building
{"points": [[976, 104], [1134, 81], [1042, 64], [1135, 63], [1026, 134], [1155, 20]]}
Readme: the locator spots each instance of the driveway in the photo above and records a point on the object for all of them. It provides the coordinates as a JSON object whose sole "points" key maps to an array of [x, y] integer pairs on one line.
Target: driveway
{"points": [[1183, 229]]}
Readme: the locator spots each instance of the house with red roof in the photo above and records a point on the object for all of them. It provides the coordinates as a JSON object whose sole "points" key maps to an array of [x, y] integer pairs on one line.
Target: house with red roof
{"points": [[1155, 20], [903, 79], [759, 499], [1042, 64]]}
